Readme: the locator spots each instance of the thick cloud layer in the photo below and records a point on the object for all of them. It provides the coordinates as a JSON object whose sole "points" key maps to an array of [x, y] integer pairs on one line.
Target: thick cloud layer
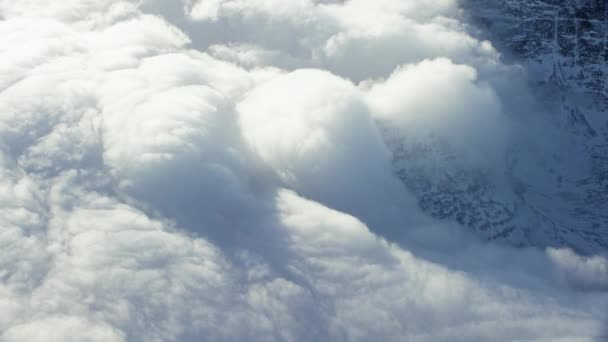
{"points": [[217, 170]]}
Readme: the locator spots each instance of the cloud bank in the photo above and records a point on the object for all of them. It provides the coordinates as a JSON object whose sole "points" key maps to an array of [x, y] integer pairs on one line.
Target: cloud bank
{"points": [[219, 170]]}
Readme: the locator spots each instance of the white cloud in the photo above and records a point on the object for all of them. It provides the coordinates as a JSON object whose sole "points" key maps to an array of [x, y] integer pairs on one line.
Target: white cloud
{"points": [[154, 192], [437, 98], [354, 39], [316, 133], [582, 273]]}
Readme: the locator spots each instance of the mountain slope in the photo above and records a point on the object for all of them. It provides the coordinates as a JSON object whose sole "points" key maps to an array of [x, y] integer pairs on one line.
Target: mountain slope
{"points": [[553, 192]]}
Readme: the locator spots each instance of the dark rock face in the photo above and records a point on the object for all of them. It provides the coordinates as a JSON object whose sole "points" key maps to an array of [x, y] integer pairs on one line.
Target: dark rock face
{"points": [[547, 197], [569, 37]]}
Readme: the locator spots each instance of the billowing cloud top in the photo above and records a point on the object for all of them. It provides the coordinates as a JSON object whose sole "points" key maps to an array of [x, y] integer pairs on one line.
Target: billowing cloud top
{"points": [[217, 170]]}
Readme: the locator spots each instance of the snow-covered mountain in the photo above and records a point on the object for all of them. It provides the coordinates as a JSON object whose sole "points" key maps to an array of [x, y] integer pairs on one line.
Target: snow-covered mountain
{"points": [[553, 192]]}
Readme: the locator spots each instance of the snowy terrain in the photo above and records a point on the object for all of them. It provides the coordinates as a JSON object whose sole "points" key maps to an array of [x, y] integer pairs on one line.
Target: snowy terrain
{"points": [[554, 190]]}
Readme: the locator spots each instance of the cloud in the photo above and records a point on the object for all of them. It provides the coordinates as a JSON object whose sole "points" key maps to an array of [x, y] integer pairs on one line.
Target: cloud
{"points": [[219, 170], [408, 101], [338, 36], [582, 273]]}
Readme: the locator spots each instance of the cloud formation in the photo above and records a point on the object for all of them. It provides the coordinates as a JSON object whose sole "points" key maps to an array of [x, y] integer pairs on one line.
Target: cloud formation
{"points": [[218, 170]]}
